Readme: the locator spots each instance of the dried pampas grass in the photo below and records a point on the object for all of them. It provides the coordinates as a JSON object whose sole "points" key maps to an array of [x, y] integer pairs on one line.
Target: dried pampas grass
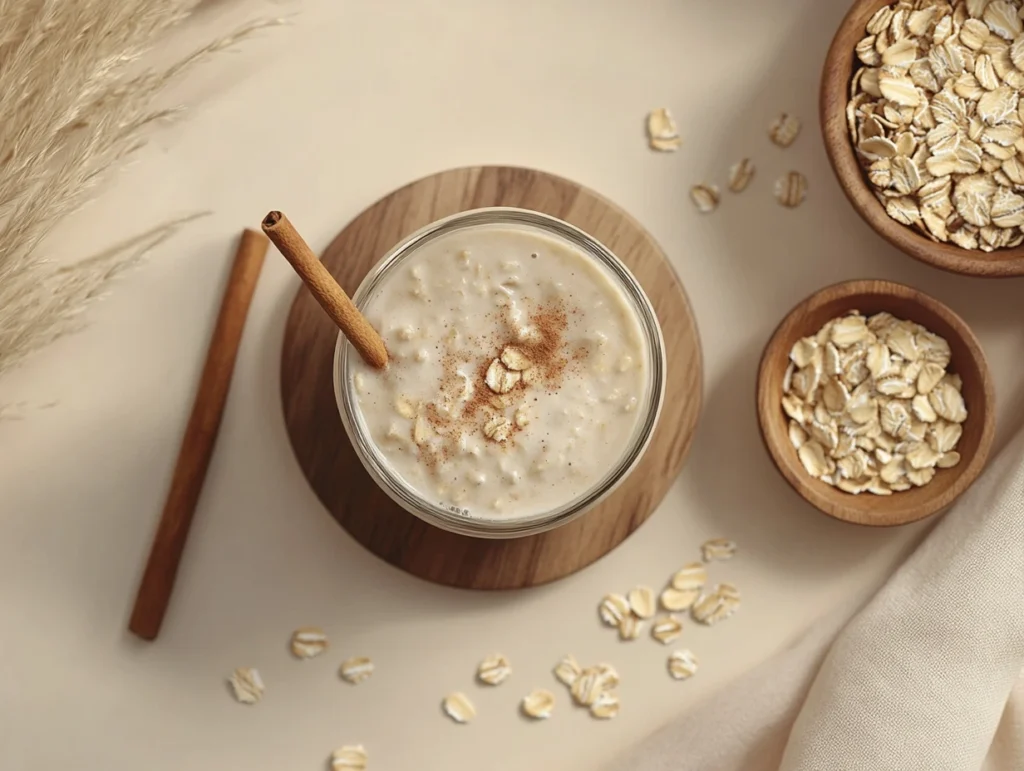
{"points": [[73, 104]]}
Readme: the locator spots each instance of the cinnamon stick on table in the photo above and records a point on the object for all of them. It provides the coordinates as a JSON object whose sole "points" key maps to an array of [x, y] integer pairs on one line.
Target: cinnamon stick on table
{"points": [[200, 435], [326, 290]]}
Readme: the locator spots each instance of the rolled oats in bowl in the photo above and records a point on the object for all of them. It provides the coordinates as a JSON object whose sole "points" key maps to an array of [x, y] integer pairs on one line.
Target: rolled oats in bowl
{"points": [[525, 377], [872, 406], [935, 116]]}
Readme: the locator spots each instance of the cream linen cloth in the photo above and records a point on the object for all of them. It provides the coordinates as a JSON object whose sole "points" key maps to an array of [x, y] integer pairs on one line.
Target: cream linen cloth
{"points": [[926, 677]]}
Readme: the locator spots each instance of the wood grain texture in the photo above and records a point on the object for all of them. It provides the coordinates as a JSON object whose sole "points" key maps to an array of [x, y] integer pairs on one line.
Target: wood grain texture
{"points": [[968, 360], [840, 65], [330, 463], [197, 445]]}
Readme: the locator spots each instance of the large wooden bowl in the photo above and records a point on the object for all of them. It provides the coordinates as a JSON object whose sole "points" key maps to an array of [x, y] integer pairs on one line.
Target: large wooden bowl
{"points": [[840, 65], [870, 297]]}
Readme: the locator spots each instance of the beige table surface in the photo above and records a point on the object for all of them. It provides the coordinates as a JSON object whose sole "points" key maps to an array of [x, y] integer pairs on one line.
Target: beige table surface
{"points": [[320, 119]]}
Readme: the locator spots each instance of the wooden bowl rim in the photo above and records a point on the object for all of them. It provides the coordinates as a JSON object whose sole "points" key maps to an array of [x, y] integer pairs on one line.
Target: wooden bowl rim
{"points": [[835, 81], [830, 501]]}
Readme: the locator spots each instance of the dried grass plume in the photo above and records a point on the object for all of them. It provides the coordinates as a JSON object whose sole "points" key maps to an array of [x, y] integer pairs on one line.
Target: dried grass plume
{"points": [[73, 103]]}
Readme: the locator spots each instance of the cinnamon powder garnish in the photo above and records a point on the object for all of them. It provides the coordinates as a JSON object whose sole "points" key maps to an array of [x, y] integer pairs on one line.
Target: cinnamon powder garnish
{"points": [[546, 351], [549, 352]]}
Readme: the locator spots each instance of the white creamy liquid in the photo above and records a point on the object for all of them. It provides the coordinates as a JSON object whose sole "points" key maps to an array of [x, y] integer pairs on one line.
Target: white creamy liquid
{"points": [[550, 425]]}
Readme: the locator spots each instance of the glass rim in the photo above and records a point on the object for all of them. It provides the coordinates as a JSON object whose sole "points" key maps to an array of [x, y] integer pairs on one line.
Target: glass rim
{"points": [[452, 518]]}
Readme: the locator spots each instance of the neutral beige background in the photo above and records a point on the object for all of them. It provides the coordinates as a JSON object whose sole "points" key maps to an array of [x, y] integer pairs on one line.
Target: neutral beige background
{"points": [[319, 119]]}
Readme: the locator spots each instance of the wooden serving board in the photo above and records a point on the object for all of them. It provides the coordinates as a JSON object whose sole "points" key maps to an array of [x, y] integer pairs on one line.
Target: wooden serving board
{"points": [[330, 463]]}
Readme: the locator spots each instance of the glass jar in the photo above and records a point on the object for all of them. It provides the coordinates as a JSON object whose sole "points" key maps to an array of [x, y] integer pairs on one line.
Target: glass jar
{"points": [[454, 518]]}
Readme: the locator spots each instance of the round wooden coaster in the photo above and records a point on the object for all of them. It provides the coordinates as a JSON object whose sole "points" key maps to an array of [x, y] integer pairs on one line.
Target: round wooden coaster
{"points": [[330, 463]]}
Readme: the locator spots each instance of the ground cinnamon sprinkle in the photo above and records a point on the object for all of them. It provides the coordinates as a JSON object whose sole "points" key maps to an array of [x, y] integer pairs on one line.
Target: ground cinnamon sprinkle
{"points": [[547, 354]]}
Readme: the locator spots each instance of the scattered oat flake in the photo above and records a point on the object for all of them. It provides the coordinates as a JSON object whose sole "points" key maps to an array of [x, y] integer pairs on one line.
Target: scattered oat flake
{"points": [[678, 599], [666, 629], [607, 676], [704, 197], [356, 669], [791, 189], [682, 665], [538, 704], [784, 130], [691, 577], [605, 707], [717, 605], [592, 687], [630, 627], [718, 549], [613, 608], [309, 641], [587, 687], [247, 685], [459, 708], [740, 175], [568, 670], [494, 670], [662, 133], [643, 601], [349, 757]]}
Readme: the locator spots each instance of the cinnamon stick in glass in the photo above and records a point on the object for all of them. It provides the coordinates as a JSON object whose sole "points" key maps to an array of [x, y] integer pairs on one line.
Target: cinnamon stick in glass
{"points": [[325, 289]]}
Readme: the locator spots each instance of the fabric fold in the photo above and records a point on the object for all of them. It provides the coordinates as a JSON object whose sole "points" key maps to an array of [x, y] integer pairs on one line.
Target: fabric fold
{"points": [[921, 679], [745, 725]]}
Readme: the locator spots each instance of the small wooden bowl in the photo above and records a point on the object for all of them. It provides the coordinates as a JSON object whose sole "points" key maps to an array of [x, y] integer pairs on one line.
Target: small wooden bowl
{"points": [[840, 65], [968, 361]]}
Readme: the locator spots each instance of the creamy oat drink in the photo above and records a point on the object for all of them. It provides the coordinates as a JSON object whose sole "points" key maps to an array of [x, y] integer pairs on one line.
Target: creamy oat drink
{"points": [[519, 372]]}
